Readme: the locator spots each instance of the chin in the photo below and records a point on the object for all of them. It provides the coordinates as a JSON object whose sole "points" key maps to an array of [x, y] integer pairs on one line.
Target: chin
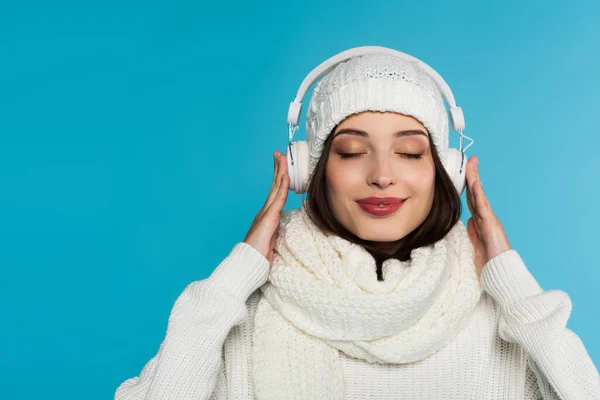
{"points": [[381, 238], [381, 231]]}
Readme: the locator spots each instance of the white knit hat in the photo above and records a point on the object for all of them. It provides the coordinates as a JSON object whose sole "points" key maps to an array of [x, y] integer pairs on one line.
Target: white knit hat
{"points": [[375, 82]]}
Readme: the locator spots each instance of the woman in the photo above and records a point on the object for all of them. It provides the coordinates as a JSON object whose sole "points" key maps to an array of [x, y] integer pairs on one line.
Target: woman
{"points": [[374, 288]]}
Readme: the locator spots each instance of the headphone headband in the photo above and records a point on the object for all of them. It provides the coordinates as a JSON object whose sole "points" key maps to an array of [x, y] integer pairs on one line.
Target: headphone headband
{"points": [[456, 114]]}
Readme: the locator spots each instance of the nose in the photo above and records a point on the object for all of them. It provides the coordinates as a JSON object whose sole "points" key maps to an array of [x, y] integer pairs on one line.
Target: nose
{"points": [[382, 175]]}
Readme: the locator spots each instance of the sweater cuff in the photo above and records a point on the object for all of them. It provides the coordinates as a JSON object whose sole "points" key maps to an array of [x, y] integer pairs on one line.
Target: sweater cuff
{"points": [[242, 272], [507, 279]]}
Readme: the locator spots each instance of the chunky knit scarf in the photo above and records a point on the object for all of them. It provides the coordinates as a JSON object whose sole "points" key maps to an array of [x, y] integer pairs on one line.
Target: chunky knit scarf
{"points": [[323, 296]]}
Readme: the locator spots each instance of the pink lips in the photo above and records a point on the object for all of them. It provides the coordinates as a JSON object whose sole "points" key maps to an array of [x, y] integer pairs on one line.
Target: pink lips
{"points": [[380, 206]]}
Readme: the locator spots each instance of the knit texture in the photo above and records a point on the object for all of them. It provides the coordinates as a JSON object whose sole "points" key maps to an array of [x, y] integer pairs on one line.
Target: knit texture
{"points": [[514, 346], [376, 82], [323, 297]]}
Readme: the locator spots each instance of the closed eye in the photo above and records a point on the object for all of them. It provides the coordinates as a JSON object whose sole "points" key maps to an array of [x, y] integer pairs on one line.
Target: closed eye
{"points": [[412, 156], [345, 156]]}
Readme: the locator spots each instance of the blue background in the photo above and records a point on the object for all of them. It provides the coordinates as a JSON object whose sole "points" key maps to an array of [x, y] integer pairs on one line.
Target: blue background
{"points": [[136, 145]]}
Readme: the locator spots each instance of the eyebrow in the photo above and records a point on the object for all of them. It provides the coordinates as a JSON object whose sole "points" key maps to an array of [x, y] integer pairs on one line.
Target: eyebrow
{"points": [[358, 132]]}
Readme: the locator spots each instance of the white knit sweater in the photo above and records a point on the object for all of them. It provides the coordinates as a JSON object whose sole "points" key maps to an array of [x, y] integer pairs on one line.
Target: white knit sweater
{"points": [[515, 346]]}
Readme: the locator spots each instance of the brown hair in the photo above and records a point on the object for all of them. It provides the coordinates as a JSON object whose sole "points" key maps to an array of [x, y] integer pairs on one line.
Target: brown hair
{"points": [[445, 213]]}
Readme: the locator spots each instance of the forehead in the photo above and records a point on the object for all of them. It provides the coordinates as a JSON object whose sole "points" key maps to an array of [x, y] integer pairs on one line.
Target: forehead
{"points": [[379, 125], [376, 121]]}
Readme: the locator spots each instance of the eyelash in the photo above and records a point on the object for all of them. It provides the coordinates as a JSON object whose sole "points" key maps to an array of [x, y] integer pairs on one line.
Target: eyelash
{"points": [[345, 156]]}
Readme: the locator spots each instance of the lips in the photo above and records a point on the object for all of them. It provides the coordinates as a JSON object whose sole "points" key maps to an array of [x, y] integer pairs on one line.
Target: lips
{"points": [[380, 207], [381, 200]]}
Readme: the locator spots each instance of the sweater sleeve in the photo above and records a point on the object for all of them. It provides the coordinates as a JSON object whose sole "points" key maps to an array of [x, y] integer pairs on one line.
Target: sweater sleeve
{"points": [[537, 319], [189, 361]]}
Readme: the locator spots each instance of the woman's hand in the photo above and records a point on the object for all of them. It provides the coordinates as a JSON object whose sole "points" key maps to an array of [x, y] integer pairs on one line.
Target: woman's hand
{"points": [[485, 231], [265, 226]]}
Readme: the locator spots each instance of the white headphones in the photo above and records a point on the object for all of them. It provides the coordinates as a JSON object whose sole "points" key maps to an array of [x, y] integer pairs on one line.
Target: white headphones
{"points": [[298, 155]]}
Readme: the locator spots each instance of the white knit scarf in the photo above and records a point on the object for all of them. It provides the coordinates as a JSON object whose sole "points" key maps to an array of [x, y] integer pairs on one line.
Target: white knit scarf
{"points": [[323, 296]]}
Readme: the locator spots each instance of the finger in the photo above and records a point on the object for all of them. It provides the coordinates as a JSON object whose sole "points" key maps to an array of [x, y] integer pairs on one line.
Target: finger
{"points": [[479, 208], [283, 190], [281, 171], [472, 230], [481, 201], [470, 198], [280, 167], [279, 202], [471, 171], [275, 184], [275, 170], [469, 174], [482, 204], [274, 194], [280, 199], [284, 165], [286, 180]]}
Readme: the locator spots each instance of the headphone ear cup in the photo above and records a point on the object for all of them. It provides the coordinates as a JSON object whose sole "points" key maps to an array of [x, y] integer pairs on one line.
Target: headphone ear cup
{"points": [[298, 172], [456, 167]]}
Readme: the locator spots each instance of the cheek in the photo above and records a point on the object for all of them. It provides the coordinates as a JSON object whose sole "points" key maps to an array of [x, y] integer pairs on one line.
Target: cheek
{"points": [[422, 178], [343, 176], [423, 174]]}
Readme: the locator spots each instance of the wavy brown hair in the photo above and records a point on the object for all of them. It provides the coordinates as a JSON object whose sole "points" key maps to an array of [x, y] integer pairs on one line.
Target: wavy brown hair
{"points": [[445, 213]]}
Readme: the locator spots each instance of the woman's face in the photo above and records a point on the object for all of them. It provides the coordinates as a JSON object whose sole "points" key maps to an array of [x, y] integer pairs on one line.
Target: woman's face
{"points": [[383, 167]]}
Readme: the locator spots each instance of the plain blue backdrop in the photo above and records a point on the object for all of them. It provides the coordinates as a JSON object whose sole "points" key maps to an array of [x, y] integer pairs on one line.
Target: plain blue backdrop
{"points": [[136, 145]]}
